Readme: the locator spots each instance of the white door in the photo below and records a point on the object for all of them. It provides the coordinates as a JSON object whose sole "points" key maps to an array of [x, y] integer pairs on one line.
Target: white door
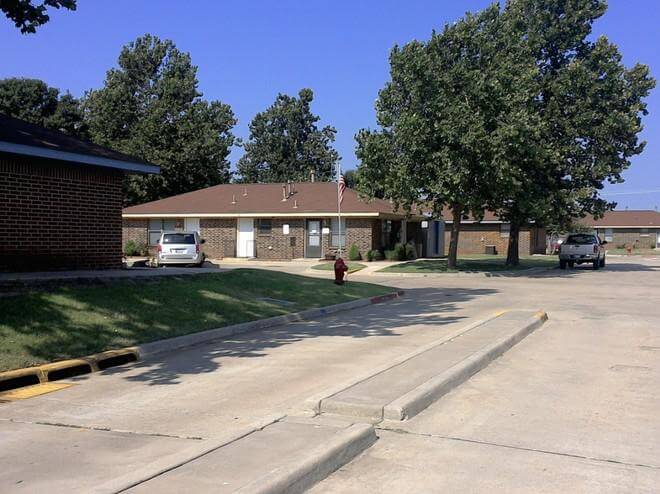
{"points": [[192, 224], [245, 240], [657, 240]]}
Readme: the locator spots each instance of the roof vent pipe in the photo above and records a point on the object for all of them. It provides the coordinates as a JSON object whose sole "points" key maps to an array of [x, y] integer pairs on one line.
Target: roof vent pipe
{"points": [[233, 199], [283, 192], [244, 191], [295, 203], [312, 175]]}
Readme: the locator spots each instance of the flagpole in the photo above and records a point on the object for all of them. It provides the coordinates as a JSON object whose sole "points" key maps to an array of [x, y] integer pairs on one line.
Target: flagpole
{"points": [[339, 205]]}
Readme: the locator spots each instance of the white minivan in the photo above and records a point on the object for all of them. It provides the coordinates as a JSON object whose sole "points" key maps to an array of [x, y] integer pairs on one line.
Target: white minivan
{"points": [[180, 248]]}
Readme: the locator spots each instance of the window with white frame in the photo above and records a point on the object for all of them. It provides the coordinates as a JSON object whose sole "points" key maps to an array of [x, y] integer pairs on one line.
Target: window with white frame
{"points": [[644, 232], [609, 234], [505, 229], [337, 239], [157, 226]]}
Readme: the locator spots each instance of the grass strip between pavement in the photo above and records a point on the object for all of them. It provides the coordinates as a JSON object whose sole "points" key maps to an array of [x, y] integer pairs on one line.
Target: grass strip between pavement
{"points": [[330, 266], [474, 264], [69, 322]]}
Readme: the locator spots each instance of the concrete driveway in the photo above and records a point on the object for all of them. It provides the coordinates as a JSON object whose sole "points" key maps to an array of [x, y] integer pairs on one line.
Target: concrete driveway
{"points": [[571, 408]]}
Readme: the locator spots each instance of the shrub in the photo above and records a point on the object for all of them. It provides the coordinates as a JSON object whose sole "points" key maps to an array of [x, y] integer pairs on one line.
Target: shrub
{"points": [[354, 253], [410, 252], [398, 253], [132, 248], [374, 255]]}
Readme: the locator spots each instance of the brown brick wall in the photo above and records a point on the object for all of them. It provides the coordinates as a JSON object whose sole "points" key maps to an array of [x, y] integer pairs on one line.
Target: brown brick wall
{"points": [[135, 229], [473, 239], [55, 215], [359, 231], [220, 236], [622, 237], [277, 245]]}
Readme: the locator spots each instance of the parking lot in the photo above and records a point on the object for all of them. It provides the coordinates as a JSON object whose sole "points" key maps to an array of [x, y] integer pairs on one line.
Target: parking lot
{"points": [[573, 407]]}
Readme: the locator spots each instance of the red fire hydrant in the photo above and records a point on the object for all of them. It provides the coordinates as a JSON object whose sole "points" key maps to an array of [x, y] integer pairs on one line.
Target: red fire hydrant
{"points": [[340, 269]]}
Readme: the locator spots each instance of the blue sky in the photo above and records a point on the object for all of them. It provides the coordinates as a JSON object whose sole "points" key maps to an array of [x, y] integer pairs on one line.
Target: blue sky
{"points": [[248, 51]]}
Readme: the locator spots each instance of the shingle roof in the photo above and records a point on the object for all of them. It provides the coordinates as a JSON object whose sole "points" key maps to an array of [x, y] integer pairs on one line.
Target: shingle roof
{"points": [[632, 218], [23, 138], [264, 199]]}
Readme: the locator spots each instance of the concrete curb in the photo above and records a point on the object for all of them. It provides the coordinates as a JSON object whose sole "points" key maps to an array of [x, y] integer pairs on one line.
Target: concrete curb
{"points": [[201, 337], [63, 369], [314, 403], [421, 397], [178, 459], [317, 465]]}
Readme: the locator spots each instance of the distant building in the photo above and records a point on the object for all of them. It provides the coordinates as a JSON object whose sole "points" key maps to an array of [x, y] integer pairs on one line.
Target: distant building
{"points": [[637, 228]]}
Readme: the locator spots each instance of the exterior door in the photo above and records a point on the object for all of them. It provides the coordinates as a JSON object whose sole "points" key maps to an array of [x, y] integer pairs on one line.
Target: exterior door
{"points": [[192, 225], [657, 240], [245, 238], [313, 242]]}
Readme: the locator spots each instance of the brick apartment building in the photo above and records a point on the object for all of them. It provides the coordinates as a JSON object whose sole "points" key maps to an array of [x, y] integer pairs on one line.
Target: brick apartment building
{"points": [[60, 200], [475, 237], [274, 221], [638, 229], [291, 221]]}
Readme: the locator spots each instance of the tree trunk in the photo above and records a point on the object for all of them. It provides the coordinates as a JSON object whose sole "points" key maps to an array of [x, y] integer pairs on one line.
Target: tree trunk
{"points": [[512, 253], [457, 213]]}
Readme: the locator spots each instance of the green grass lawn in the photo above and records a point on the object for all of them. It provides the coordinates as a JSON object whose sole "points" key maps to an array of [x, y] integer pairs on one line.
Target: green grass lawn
{"points": [[330, 266], [40, 327], [477, 263]]}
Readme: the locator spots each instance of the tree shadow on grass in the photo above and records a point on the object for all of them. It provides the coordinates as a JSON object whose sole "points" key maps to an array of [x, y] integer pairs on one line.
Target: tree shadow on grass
{"points": [[43, 327], [430, 308]]}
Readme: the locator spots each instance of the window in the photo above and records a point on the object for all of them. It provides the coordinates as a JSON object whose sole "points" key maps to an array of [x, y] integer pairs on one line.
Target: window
{"points": [[158, 226], [505, 229], [264, 226], [179, 238], [337, 240], [609, 235], [644, 232], [581, 239]]}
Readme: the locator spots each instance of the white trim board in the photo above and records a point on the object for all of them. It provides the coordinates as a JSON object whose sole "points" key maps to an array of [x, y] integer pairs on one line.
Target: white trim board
{"points": [[85, 159]]}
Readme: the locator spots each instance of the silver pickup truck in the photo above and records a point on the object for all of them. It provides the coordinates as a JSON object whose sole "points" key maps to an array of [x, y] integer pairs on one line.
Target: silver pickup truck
{"points": [[579, 248]]}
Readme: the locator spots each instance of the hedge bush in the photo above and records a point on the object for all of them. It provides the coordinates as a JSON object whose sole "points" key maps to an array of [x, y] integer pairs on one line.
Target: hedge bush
{"points": [[133, 248], [375, 255], [398, 253], [411, 252], [354, 253]]}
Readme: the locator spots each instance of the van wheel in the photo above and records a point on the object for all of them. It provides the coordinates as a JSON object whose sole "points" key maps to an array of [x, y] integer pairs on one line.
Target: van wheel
{"points": [[562, 264], [596, 264], [571, 264], [602, 262]]}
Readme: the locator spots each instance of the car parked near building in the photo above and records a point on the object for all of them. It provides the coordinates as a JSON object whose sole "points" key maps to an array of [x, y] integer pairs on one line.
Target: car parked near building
{"points": [[179, 248], [580, 248]]}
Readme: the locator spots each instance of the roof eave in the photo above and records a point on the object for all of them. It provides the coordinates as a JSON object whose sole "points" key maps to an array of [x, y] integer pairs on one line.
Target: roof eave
{"points": [[85, 159]]}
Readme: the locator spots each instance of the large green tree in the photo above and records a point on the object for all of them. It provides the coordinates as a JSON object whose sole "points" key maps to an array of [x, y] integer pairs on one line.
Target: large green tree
{"points": [[285, 143], [28, 15], [586, 110], [34, 101], [150, 107], [446, 99]]}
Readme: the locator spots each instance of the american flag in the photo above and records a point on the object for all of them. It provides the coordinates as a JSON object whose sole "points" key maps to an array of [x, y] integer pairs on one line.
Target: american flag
{"points": [[341, 186]]}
